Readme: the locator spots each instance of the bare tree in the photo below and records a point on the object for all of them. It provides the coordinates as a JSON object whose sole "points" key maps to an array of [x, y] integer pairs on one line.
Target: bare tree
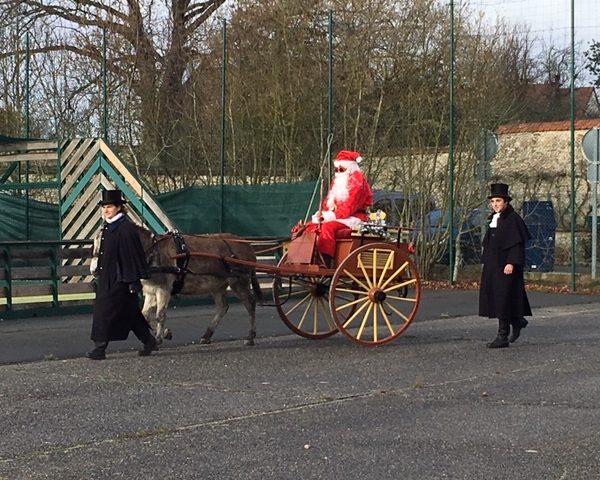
{"points": [[592, 56], [152, 47], [391, 68]]}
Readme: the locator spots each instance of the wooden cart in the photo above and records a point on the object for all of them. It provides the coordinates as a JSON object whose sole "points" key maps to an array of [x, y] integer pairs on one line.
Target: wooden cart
{"points": [[371, 294]]}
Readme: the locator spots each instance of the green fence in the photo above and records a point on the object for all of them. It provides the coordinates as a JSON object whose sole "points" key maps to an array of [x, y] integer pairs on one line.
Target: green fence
{"points": [[249, 211], [39, 276]]}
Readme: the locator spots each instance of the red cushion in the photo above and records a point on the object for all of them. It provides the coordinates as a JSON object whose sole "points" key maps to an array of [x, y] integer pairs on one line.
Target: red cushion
{"points": [[343, 233]]}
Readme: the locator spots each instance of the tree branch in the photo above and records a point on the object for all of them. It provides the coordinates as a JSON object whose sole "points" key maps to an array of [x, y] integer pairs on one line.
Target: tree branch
{"points": [[202, 12], [70, 14]]}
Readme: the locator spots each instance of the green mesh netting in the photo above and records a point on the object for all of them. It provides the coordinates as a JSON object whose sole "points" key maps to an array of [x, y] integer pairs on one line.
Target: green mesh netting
{"points": [[249, 211], [27, 219], [6, 139]]}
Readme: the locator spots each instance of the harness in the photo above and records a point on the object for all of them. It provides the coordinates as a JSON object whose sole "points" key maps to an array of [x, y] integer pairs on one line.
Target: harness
{"points": [[182, 261], [182, 256]]}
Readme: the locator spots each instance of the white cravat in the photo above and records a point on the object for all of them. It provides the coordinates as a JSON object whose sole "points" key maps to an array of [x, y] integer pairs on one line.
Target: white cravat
{"points": [[494, 222], [115, 218]]}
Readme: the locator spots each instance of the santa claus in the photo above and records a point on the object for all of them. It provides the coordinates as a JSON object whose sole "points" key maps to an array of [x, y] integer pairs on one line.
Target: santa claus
{"points": [[345, 205]]}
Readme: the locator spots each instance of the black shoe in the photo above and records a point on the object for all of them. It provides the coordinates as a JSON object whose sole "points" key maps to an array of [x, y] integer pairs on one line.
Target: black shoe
{"points": [[499, 342], [150, 346], [97, 353], [327, 260], [516, 330]]}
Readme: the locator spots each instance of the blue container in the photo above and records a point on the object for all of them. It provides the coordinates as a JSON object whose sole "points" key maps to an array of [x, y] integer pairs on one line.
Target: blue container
{"points": [[540, 251]]}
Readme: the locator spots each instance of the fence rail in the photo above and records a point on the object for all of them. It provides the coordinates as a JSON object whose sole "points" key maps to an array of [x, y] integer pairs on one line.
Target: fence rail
{"points": [[45, 277], [45, 274]]}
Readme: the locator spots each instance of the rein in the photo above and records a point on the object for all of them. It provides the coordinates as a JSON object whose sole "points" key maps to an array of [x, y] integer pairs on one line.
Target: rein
{"points": [[183, 255], [155, 241], [226, 239], [272, 249]]}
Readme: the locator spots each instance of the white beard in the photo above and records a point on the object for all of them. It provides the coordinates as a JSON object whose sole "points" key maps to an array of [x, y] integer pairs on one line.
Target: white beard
{"points": [[339, 189]]}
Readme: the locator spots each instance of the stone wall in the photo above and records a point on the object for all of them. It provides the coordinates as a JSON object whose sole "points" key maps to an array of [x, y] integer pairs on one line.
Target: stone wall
{"points": [[537, 165]]}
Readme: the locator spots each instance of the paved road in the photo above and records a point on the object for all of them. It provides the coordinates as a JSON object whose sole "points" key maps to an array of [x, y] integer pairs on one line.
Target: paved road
{"points": [[435, 404], [41, 338]]}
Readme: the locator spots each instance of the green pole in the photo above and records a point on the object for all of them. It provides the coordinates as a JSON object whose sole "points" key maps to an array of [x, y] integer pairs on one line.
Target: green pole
{"points": [[27, 134], [329, 94], [572, 101], [451, 153], [104, 89], [223, 106], [27, 58]]}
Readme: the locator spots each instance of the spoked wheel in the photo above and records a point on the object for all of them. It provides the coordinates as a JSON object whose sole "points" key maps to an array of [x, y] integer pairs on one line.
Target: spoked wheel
{"points": [[303, 304], [386, 288]]}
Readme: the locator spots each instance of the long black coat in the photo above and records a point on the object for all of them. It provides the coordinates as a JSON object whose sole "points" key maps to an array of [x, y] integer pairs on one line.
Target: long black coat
{"points": [[500, 295], [121, 262]]}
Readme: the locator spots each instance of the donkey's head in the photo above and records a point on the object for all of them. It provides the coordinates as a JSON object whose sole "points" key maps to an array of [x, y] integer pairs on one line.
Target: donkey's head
{"points": [[146, 237], [150, 245]]}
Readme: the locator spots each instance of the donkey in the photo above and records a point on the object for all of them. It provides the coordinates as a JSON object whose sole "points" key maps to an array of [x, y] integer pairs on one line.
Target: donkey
{"points": [[201, 275]]}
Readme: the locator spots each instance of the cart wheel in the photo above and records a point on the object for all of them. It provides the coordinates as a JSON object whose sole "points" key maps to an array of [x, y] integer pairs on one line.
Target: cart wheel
{"points": [[387, 290], [303, 304]]}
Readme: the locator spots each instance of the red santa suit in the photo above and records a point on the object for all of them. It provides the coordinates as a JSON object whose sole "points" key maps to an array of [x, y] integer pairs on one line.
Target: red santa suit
{"points": [[346, 203]]}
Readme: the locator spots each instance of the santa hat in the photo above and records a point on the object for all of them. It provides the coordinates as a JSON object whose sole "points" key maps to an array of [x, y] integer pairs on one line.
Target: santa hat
{"points": [[347, 156]]}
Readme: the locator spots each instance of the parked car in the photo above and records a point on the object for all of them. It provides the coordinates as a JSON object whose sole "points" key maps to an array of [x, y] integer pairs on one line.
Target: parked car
{"points": [[470, 233], [400, 208]]}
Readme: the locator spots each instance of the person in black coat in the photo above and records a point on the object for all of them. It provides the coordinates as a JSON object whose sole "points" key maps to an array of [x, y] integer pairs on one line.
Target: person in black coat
{"points": [[502, 290], [121, 265]]}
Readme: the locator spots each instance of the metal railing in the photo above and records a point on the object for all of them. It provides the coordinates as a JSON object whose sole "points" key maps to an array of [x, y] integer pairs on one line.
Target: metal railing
{"points": [[45, 274]]}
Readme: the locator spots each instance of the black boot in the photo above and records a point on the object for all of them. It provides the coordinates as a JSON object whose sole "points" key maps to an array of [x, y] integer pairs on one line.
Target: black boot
{"points": [[501, 340], [98, 352], [328, 260], [150, 345], [517, 326], [143, 332]]}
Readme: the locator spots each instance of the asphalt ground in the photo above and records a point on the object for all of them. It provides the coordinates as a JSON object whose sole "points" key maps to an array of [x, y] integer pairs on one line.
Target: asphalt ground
{"points": [[57, 338], [434, 404]]}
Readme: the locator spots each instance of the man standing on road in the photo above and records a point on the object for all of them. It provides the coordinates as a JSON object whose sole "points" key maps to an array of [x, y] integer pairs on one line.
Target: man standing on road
{"points": [[502, 289], [121, 265]]}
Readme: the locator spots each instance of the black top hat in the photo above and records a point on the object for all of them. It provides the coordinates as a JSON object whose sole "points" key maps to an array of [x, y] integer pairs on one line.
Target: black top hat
{"points": [[112, 197], [499, 190]]}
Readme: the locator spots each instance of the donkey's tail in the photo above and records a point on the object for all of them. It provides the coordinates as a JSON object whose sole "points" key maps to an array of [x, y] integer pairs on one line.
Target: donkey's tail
{"points": [[256, 287]]}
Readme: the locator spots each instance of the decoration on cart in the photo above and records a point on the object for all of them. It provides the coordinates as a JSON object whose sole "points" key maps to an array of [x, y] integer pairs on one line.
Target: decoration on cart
{"points": [[375, 226]]}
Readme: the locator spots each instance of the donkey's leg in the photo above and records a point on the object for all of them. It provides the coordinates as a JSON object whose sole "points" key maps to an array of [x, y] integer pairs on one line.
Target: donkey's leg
{"points": [[241, 287], [149, 304], [163, 296], [222, 307]]}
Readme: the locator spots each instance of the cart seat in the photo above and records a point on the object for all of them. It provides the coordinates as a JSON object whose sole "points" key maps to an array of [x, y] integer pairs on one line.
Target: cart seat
{"points": [[344, 233]]}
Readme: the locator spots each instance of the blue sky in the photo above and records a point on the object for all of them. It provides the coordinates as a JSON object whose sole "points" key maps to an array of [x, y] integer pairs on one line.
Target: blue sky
{"points": [[548, 19], [549, 23]]}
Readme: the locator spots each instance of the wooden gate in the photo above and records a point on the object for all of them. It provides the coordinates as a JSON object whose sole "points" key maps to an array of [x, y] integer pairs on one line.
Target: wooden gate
{"points": [[89, 166], [56, 274]]}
